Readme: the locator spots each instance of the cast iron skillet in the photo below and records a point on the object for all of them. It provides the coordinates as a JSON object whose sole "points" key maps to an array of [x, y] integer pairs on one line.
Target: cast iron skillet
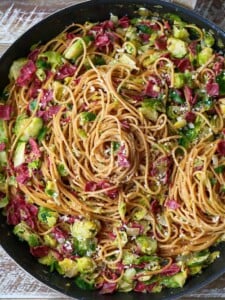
{"points": [[97, 10]]}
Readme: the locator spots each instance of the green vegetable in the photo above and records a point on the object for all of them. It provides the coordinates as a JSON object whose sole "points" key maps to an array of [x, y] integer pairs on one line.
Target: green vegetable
{"points": [[42, 133], [62, 170], [48, 260], [47, 216], [122, 208], [98, 60], [129, 257], [175, 281], [219, 169], [4, 95], [4, 202], [172, 17], [83, 283], [127, 60], [220, 79], [126, 283], [175, 96], [176, 47], [77, 48], [40, 73], [179, 80], [150, 108], [85, 247], [115, 146], [85, 229], [49, 241], [209, 39], [146, 244], [87, 117], [85, 265], [54, 59], [24, 232], [204, 56], [16, 67], [43, 64], [34, 165], [19, 154], [3, 132], [51, 189], [67, 267], [27, 127], [144, 28], [33, 105], [198, 258], [180, 32]]}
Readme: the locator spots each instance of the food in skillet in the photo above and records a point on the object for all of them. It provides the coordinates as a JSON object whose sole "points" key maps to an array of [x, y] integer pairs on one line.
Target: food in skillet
{"points": [[112, 152]]}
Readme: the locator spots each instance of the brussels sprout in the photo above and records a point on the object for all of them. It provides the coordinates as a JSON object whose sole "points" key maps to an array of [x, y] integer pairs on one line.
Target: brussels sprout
{"points": [[85, 229], [62, 170], [209, 39], [198, 258], [19, 154], [127, 60], [180, 123], [77, 48], [180, 32], [176, 47], [87, 116], [27, 127], [67, 267], [175, 281], [24, 232], [146, 244], [179, 80], [48, 260], [47, 216], [51, 189], [204, 55], [4, 202], [85, 265], [129, 258], [84, 283], [126, 283], [53, 58], [85, 247], [49, 241], [15, 68]]}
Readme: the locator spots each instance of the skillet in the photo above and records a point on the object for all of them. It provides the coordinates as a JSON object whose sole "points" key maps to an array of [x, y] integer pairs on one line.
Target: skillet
{"points": [[96, 10]]}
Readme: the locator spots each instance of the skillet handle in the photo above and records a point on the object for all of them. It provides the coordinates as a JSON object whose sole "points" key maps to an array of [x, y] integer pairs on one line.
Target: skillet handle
{"points": [[187, 3]]}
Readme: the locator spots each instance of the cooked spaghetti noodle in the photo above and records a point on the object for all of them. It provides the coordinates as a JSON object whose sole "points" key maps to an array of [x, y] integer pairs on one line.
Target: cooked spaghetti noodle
{"points": [[113, 138]]}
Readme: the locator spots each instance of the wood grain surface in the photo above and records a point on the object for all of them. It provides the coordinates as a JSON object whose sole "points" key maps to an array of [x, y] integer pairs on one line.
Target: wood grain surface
{"points": [[15, 18]]}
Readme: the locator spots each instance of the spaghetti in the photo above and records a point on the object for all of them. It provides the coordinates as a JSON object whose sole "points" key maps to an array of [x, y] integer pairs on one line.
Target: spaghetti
{"points": [[113, 152]]}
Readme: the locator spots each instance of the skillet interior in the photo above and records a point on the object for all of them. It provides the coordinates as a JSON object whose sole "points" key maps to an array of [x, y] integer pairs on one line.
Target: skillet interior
{"points": [[96, 10]]}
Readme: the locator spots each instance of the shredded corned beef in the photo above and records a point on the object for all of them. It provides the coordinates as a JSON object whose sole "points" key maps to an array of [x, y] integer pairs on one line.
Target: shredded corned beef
{"points": [[23, 174], [108, 288], [172, 204], [190, 117], [19, 210], [26, 74], [33, 55], [122, 158], [47, 96], [5, 112], [49, 113], [161, 42], [221, 147], [143, 287], [171, 270], [212, 89], [59, 234], [2, 146], [39, 251], [152, 88], [35, 150], [67, 70], [124, 22], [189, 97]]}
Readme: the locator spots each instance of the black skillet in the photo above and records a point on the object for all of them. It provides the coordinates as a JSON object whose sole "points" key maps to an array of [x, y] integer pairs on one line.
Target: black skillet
{"points": [[97, 10]]}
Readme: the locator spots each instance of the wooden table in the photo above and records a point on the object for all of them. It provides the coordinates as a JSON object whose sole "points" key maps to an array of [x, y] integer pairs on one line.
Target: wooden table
{"points": [[16, 17]]}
